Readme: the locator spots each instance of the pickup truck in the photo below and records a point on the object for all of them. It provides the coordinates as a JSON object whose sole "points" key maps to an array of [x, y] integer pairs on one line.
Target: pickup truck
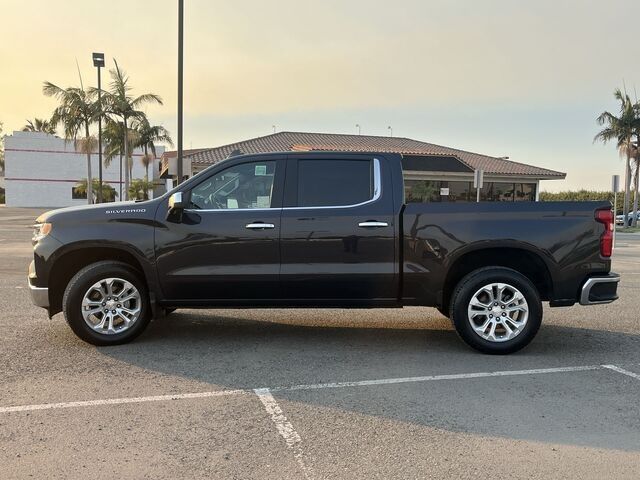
{"points": [[320, 229]]}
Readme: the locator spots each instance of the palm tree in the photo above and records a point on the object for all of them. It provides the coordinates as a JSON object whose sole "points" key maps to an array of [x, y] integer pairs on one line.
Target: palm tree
{"points": [[635, 157], [113, 136], [139, 189], [108, 192], [76, 112], [622, 129], [120, 104], [148, 135], [39, 125]]}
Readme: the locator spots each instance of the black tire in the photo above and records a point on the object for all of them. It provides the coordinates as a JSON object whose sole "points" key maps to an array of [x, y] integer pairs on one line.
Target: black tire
{"points": [[474, 281], [82, 281]]}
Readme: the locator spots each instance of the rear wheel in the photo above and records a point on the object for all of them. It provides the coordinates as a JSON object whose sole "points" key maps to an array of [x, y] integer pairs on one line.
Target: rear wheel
{"points": [[106, 303], [496, 310]]}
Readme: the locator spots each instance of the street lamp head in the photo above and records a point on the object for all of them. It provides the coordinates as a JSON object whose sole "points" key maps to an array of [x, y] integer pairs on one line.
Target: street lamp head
{"points": [[98, 59]]}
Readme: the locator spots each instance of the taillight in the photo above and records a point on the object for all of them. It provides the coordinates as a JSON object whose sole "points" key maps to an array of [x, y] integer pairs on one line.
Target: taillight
{"points": [[605, 216]]}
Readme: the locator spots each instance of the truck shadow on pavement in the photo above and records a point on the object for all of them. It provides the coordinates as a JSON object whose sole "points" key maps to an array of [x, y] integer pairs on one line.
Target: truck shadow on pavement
{"points": [[590, 408]]}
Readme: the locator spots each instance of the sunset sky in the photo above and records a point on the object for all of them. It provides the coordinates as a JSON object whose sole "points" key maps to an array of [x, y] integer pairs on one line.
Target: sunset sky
{"points": [[499, 77]]}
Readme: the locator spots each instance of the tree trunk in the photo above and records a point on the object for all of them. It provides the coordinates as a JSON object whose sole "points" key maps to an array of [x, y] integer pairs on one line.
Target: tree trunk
{"points": [[126, 157], [121, 176], [89, 179], [636, 180], [627, 189]]}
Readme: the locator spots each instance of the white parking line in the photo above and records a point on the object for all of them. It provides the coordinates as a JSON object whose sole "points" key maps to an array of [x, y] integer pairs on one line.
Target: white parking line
{"points": [[428, 378], [285, 429], [622, 371], [119, 401]]}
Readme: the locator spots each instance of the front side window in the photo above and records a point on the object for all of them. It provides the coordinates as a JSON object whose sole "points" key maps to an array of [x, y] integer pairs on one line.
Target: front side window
{"points": [[249, 185], [330, 183]]}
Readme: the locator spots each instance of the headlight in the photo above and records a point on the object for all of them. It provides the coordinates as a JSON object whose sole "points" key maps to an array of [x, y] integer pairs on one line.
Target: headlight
{"points": [[40, 230]]}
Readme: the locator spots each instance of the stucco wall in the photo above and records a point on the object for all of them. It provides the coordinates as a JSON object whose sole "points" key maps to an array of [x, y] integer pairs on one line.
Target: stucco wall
{"points": [[41, 169]]}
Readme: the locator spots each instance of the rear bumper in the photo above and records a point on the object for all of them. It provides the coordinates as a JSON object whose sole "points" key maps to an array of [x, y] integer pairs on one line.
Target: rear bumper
{"points": [[601, 289], [39, 295]]}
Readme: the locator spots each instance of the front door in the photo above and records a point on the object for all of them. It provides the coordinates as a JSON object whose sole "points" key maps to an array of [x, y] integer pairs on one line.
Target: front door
{"points": [[225, 247]]}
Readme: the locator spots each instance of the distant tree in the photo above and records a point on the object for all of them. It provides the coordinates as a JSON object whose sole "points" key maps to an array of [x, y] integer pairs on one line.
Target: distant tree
{"points": [[120, 104], [76, 111], [139, 189], [622, 129], [39, 125], [109, 193], [147, 136]]}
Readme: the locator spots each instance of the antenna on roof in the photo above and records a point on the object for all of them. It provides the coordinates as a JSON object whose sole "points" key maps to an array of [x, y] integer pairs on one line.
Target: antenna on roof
{"points": [[358, 127], [390, 128], [274, 128]]}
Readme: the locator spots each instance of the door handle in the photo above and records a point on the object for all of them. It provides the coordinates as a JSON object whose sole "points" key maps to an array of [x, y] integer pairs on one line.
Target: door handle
{"points": [[373, 224], [259, 226]]}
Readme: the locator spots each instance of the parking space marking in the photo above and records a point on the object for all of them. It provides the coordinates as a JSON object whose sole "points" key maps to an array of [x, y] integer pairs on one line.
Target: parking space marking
{"points": [[428, 378], [622, 371], [285, 429], [314, 386], [119, 401]]}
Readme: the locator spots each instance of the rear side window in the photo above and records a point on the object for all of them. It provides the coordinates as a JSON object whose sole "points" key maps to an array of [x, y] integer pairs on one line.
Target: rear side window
{"points": [[330, 183]]}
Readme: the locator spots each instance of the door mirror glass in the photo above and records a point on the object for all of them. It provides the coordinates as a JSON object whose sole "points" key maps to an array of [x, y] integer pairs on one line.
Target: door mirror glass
{"points": [[176, 202]]}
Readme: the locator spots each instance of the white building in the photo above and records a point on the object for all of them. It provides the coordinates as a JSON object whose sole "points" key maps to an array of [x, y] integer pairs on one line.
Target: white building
{"points": [[42, 170]]}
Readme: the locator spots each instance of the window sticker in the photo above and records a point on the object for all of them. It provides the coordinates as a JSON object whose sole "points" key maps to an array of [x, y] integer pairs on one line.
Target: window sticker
{"points": [[261, 170], [263, 201], [232, 203]]}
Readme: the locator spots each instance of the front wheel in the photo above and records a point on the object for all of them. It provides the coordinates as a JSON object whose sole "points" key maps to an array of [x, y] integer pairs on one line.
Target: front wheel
{"points": [[496, 310], [106, 303]]}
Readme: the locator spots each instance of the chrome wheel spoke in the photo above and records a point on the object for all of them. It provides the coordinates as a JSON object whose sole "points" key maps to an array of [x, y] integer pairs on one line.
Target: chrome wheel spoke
{"points": [[111, 305], [498, 312]]}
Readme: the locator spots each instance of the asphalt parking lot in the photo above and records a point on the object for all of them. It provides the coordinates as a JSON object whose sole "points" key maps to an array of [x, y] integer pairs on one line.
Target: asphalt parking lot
{"points": [[316, 394]]}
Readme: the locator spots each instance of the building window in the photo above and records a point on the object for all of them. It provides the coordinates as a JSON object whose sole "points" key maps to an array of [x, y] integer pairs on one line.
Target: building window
{"points": [[424, 191], [459, 191], [525, 192], [77, 194], [499, 192], [421, 191]]}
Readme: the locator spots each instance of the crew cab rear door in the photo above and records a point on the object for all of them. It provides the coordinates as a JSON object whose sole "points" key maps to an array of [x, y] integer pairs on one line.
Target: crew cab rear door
{"points": [[337, 233], [225, 247]]}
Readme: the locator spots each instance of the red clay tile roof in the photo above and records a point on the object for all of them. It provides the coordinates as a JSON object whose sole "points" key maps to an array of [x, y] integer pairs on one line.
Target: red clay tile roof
{"points": [[290, 141]]}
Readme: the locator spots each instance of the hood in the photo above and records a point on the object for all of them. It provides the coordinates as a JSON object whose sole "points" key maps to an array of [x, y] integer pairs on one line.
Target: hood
{"points": [[101, 211]]}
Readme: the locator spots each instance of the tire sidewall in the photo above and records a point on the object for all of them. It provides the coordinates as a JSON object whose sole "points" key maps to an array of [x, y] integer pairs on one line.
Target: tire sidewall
{"points": [[470, 284], [78, 286]]}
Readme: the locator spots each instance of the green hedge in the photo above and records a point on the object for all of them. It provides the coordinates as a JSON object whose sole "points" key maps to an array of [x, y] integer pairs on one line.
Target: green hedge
{"points": [[581, 195]]}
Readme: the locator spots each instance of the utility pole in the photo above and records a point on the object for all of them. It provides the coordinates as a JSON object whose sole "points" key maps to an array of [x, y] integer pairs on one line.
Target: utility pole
{"points": [[98, 62], [180, 70]]}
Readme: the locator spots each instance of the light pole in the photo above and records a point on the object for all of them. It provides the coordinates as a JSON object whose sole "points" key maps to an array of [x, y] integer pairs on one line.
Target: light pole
{"points": [[98, 62], [180, 69]]}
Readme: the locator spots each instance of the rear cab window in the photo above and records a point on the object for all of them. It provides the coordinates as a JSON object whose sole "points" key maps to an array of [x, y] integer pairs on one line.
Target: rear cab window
{"points": [[334, 182]]}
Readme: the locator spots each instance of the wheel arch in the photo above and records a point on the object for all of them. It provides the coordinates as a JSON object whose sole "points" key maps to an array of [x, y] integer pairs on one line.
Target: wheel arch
{"points": [[529, 263], [70, 261]]}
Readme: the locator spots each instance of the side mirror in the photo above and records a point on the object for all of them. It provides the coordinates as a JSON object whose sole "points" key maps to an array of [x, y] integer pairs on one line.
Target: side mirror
{"points": [[176, 202]]}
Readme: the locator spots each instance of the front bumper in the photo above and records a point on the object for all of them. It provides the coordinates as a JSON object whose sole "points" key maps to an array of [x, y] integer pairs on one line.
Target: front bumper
{"points": [[601, 289], [39, 295]]}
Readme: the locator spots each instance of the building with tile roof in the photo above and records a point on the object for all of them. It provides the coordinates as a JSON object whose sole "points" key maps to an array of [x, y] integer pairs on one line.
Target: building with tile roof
{"points": [[423, 161]]}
